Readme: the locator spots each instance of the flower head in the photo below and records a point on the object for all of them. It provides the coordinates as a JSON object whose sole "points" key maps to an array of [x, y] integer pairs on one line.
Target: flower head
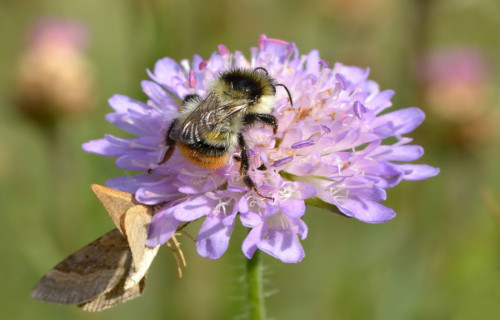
{"points": [[54, 78], [458, 83], [328, 146]]}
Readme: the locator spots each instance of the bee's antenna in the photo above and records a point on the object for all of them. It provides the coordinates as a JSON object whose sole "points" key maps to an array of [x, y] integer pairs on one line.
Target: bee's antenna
{"points": [[287, 91], [278, 84], [263, 69]]}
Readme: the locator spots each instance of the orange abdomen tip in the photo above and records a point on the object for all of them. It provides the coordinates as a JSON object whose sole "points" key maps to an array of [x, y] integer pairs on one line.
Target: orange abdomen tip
{"points": [[201, 159]]}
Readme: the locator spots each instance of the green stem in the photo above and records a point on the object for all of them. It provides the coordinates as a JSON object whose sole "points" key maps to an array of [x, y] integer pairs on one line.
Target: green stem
{"points": [[255, 288]]}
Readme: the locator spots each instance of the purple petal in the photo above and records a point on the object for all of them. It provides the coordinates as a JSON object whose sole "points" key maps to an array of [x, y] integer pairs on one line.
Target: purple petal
{"points": [[194, 208], [355, 75], [390, 174], [170, 74], [163, 226], [250, 219], [128, 124], [131, 184], [103, 147], [398, 153], [159, 97], [281, 245], [418, 171], [284, 245], [135, 163], [161, 191], [366, 210], [304, 191], [243, 206], [402, 121], [293, 208], [114, 147], [249, 245], [275, 47], [213, 237], [122, 104], [313, 62], [381, 101], [374, 193], [305, 165], [223, 50], [301, 228], [384, 130], [277, 236]]}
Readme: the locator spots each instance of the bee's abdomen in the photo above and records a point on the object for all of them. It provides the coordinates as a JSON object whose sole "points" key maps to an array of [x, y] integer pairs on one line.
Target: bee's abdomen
{"points": [[205, 155]]}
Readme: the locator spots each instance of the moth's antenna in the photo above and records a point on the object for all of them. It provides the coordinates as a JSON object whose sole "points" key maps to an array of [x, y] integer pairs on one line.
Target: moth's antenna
{"points": [[287, 91]]}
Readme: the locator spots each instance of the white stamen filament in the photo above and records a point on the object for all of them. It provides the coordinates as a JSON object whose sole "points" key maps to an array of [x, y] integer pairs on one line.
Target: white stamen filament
{"points": [[221, 206]]}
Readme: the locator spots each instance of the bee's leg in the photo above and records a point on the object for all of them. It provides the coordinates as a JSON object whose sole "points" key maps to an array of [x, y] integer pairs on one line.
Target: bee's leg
{"points": [[169, 137], [170, 142], [245, 165], [267, 119], [168, 154]]}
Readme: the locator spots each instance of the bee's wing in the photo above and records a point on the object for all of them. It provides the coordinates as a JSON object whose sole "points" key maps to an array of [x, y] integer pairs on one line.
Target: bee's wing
{"points": [[205, 117], [88, 273]]}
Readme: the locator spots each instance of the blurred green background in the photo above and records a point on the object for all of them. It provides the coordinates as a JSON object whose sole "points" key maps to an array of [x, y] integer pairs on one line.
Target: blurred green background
{"points": [[438, 259]]}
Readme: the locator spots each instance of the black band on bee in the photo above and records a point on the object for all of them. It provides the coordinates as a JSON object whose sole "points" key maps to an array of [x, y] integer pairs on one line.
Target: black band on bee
{"points": [[209, 149]]}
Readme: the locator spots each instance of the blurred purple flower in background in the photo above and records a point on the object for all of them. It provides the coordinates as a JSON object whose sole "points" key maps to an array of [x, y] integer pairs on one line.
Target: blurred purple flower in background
{"points": [[457, 81], [54, 77], [458, 85], [328, 149]]}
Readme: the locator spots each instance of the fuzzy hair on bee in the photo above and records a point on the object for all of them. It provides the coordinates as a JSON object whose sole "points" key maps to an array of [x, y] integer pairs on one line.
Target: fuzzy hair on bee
{"points": [[208, 130]]}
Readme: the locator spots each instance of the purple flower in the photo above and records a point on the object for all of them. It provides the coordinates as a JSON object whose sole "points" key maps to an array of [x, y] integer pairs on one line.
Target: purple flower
{"points": [[328, 147]]}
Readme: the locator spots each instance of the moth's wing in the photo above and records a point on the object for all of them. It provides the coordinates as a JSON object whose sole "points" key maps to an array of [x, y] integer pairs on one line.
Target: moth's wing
{"points": [[205, 117], [136, 223], [114, 297], [116, 203], [88, 273]]}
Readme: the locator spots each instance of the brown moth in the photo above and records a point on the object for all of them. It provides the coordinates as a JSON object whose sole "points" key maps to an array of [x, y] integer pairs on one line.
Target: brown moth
{"points": [[110, 270]]}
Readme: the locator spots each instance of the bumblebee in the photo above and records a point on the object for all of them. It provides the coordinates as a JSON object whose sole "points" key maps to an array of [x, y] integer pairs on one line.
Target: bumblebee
{"points": [[208, 130]]}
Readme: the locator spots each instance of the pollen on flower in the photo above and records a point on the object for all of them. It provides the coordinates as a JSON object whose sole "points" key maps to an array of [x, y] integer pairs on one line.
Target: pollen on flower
{"points": [[303, 113]]}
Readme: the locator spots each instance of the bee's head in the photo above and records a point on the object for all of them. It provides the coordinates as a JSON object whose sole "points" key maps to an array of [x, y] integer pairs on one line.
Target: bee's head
{"points": [[244, 86]]}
